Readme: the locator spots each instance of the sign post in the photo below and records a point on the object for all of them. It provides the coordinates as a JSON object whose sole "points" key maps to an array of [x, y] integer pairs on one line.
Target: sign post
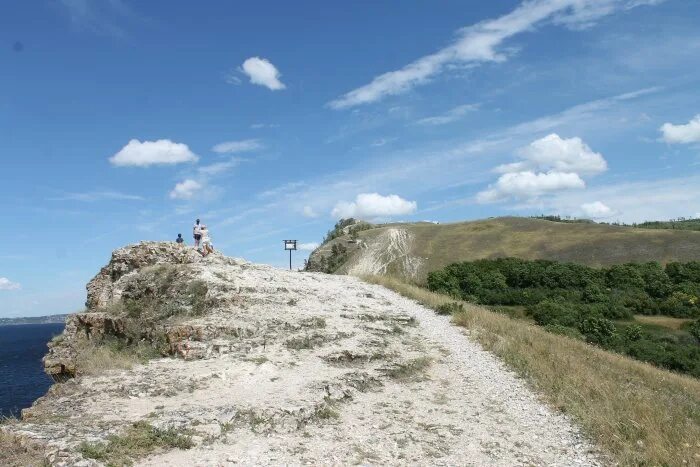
{"points": [[290, 245]]}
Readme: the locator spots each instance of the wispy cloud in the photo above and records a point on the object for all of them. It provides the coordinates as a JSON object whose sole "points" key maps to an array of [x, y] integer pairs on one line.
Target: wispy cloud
{"points": [[450, 116], [480, 43], [92, 196], [99, 16], [231, 147]]}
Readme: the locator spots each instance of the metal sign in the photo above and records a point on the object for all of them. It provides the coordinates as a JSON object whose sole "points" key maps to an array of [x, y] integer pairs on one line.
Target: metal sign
{"points": [[290, 245]]}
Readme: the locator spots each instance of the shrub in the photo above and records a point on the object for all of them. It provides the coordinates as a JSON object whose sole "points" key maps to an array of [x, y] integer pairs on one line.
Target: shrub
{"points": [[597, 330], [549, 312], [632, 333], [694, 329]]}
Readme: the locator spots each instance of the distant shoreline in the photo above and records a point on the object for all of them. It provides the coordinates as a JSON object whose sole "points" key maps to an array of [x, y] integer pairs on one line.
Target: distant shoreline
{"points": [[51, 319]]}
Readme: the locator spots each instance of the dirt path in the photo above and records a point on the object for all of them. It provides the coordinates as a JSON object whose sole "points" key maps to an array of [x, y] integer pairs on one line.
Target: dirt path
{"points": [[306, 368]]}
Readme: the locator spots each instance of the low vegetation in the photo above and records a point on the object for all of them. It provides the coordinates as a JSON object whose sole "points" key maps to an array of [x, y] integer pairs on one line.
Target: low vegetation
{"points": [[640, 414], [16, 454], [348, 226], [139, 440], [596, 305], [95, 356]]}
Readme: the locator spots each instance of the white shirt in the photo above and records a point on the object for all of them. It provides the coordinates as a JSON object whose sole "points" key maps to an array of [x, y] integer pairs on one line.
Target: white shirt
{"points": [[197, 229]]}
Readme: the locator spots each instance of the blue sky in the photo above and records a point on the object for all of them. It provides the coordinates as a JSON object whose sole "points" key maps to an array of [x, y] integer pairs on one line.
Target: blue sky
{"points": [[123, 121]]}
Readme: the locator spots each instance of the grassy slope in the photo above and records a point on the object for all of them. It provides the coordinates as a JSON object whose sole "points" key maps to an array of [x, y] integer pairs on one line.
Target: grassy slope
{"points": [[591, 244], [639, 414]]}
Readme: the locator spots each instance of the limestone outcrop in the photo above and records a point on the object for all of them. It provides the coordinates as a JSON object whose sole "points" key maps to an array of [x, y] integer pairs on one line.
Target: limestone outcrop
{"points": [[222, 361]]}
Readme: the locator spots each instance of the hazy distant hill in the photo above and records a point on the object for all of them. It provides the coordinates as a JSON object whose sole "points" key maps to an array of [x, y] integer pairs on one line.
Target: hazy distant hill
{"points": [[34, 320], [414, 249]]}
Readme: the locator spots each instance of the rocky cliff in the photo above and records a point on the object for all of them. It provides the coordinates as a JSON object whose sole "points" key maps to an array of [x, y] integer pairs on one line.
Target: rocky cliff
{"points": [[184, 360]]}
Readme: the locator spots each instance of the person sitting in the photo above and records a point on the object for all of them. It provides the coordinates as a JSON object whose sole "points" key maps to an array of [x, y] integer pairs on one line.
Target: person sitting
{"points": [[179, 240], [207, 246]]}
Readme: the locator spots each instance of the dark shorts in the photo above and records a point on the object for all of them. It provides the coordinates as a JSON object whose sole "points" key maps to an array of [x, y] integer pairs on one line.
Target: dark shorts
{"points": [[197, 236]]}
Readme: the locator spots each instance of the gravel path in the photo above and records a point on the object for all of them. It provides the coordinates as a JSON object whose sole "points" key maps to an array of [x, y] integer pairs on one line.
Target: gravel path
{"points": [[307, 369], [465, 409]]}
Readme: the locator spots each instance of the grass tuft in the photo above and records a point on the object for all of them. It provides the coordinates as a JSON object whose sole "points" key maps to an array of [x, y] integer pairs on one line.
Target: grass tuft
{"points": [[640, 414], [139, 440]]}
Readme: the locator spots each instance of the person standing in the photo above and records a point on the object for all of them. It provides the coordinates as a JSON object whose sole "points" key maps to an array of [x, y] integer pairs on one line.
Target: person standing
{"points": [[207, 246], [197, 232]]}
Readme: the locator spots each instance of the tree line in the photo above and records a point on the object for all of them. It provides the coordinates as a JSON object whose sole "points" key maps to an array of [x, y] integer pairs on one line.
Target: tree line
{"points": [[593, 304]]}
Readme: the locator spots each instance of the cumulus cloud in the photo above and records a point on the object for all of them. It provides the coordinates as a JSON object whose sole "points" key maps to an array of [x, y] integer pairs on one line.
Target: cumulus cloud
{"points": [[262, 72], [308, 211], [230, 147], [596, 210], [547, 165], [186, 189], [481, 42], [307, 246], [557, 154], [527, 185], [682, 134], [450, 116], [374, 205], [7, 284], [144, 154]]}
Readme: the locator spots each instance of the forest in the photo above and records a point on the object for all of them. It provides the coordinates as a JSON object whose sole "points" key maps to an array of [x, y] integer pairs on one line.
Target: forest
{"points": [[612, 307]]}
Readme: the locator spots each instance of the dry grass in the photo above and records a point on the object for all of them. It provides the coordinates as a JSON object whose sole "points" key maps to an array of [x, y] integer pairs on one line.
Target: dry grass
{"points": [[668, 322], [590, 244], [14, 453], [639, 414], [93, 358]]}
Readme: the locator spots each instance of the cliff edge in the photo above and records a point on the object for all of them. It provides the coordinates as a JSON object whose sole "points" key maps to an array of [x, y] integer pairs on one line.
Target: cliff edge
{"points": [[184, 360]]}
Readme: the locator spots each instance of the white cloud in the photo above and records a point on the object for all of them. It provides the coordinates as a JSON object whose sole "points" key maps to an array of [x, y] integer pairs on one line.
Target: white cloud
{"points": [[682, 134], [374, 205], [450, 116], [557, 154], [632, 201], [262, 72], [596, 210], [529, 185], [230, 147], [548, 165], [92, 196], [308, 211], [144, 154], [7, 284], [307, 246], [186, 189], [218, 168], [480, 43]]}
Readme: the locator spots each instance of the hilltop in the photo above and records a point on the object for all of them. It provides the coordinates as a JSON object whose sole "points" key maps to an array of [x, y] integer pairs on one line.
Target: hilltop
{"points": [[411, 250], [184, 360]]}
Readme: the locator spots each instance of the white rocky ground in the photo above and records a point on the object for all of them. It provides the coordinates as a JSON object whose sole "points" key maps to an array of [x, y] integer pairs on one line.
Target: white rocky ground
{"points": [[307, 368], [390, 248]]}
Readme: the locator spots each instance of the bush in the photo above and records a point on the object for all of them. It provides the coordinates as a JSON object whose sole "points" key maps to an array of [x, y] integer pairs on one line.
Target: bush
{"points": [[597, 330], [694, 329], [549, 312], [632, 333]]}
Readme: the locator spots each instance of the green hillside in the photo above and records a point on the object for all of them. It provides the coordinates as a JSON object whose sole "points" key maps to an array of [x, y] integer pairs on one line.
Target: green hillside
{"points": [[413, 250]]}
